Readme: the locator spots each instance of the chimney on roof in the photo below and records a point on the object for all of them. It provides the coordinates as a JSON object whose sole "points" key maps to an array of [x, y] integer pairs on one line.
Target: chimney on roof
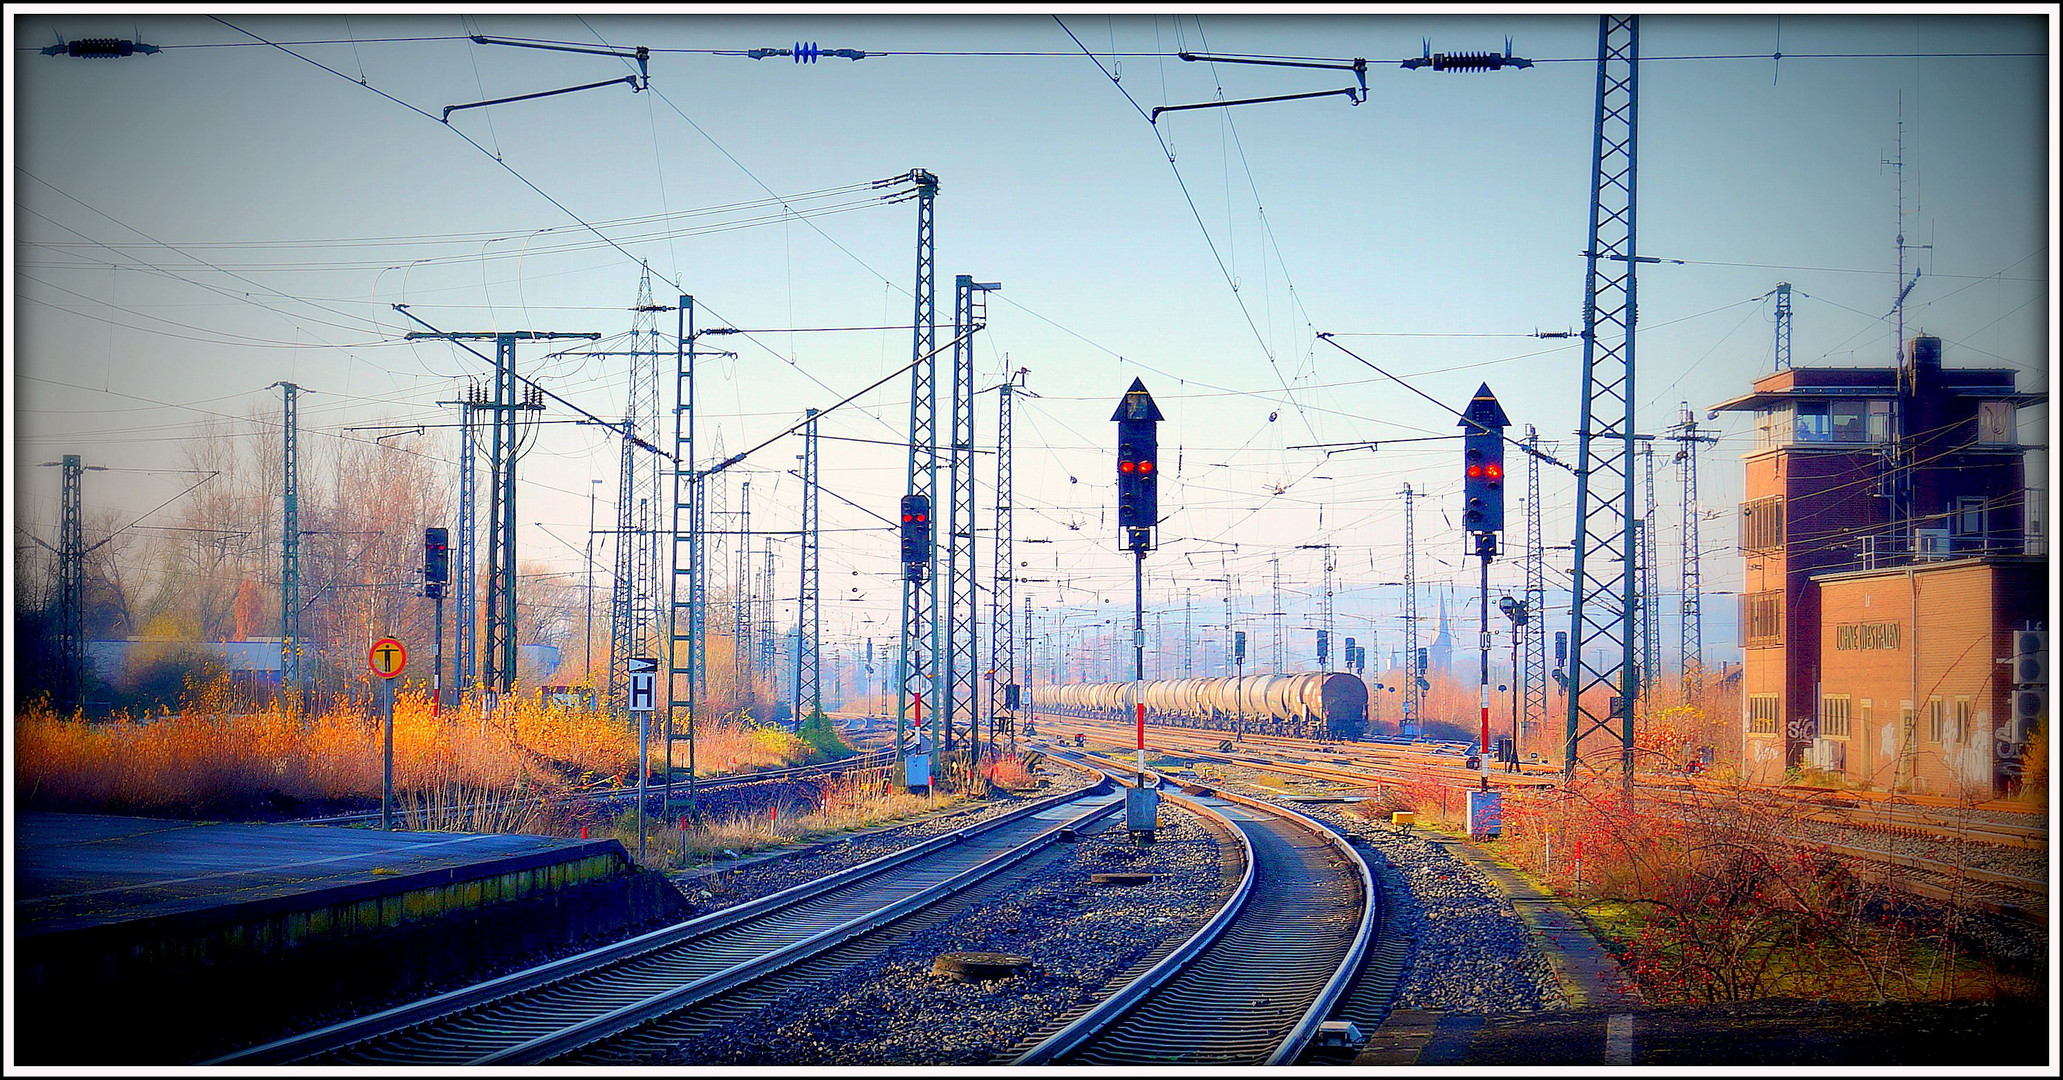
{"points": [[1924, 353]]}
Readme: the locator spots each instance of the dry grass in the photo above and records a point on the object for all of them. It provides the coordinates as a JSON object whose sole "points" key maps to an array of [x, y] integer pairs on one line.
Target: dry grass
{"points": [[861, 800], [458, 770]]}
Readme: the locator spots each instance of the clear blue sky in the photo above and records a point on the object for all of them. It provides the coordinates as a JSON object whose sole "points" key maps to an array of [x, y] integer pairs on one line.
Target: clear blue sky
{"points": [[193, 226]]}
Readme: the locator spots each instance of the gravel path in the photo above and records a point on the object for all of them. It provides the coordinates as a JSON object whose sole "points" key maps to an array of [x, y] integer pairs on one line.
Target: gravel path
{"points": [[890, 1009]]}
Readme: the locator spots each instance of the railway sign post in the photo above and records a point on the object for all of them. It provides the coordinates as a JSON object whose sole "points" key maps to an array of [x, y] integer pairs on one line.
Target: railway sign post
{"points": [[1138, 511], [386, 659], [644, 680], [1483, 424]]}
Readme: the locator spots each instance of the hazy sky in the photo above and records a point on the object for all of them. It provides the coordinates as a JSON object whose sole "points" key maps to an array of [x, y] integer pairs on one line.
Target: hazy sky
{"points": [[192, 226]]}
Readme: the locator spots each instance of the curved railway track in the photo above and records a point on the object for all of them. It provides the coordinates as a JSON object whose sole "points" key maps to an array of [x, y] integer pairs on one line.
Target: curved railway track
{"points": [[559, 1008], [1252, 986]]}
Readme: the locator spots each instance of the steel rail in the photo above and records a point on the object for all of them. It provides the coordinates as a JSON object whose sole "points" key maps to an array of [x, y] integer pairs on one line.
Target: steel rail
{"points": [[649, 947], [1267, 921]]}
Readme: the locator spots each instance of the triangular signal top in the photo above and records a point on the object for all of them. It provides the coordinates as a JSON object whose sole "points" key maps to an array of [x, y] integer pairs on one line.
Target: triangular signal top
{"points": [[1137, 405], [1484, 411]]}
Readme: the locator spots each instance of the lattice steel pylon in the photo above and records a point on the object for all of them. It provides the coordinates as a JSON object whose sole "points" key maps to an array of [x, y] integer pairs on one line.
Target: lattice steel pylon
{"points": [[1413, 673], [634, 592], [1688, 437], [71, 583], [465, 545], [1533, 678], [741, 589], [1650, 575], [1783, 326], [1003, 691], [769, 641], [959, 701], [808, 695], [716, 514], [498, 661], [919, 633], [1602, 664], [684, 557], [292, 675]]}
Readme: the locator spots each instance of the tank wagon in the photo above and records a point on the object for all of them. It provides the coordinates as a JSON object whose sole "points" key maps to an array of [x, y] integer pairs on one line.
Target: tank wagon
{"points": [[1332, 705]]}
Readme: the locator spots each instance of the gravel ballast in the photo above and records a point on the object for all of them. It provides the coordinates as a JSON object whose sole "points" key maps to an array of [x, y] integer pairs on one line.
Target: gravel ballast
{"points": [[892, 1010], [729, 883]]}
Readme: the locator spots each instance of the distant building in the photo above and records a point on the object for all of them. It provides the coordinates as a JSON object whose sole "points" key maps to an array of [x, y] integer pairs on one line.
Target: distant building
{"points": [[1860, 470]]}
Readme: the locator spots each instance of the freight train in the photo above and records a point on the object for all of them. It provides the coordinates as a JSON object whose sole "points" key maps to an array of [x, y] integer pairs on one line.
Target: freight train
{"points": [[1332, 705]]}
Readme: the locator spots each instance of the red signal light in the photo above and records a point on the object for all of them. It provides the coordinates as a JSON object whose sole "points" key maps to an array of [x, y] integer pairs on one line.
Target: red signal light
{"points": [[1125, 466], [1475, 470], [1146, 466], [1495, 470]]}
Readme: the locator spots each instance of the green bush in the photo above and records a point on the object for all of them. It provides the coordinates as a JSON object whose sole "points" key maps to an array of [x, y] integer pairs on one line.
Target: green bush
{"points": [[822, 736]]}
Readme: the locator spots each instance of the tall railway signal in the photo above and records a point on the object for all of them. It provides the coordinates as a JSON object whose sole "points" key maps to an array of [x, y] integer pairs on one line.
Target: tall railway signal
{"points": [[1138, 511], [1483, 424]]}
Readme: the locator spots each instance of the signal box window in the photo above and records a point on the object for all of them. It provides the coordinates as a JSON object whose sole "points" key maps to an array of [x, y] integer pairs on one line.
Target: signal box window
{"points": [[1762, 618], [1850, 421], [1937, 721], [1833, 716], [1762, 713], [1814, 424], [1762, 524]]}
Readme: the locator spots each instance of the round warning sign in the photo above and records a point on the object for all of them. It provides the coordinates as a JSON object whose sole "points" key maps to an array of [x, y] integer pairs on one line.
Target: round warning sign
{"points": [[387, 657]]}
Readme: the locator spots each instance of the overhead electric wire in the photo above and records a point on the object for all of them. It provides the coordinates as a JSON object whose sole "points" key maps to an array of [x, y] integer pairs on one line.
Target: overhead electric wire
{"points": [[1198, 215]]}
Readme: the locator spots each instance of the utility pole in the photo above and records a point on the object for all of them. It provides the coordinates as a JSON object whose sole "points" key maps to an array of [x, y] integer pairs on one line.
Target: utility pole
{"points": [[500, 659], [1276, 614], [958, 708], [1689, 437], [1188, 638], [919, 636], [292, 677], [1601, 611], [808, 697], [1324, 606]]}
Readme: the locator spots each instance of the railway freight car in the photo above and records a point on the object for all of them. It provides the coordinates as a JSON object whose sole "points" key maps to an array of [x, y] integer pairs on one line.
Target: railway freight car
{"points": [[1333, 705]]}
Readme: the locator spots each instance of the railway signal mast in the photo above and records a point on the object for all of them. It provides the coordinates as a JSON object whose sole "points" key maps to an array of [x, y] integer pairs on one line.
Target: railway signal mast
{"points": [[1482, 516], [1138, 511]]}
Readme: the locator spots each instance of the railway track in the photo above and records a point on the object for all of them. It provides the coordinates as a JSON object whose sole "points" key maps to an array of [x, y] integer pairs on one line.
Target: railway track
{"points": [[864, 760], [559, 1008], [1252, 986]]}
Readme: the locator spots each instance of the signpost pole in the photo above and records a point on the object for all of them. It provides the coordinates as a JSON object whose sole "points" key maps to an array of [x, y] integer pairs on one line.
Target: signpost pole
{"points": [[387, 755], [386, 659], [644, 695]]}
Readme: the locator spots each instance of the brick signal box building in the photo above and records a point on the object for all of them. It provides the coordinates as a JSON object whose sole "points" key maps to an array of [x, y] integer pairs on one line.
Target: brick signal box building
{"points": [[1861, 470]]}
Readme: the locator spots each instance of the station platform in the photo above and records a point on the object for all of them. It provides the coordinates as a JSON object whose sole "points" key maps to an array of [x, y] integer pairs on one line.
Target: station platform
{"points": [[149, 908]]}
